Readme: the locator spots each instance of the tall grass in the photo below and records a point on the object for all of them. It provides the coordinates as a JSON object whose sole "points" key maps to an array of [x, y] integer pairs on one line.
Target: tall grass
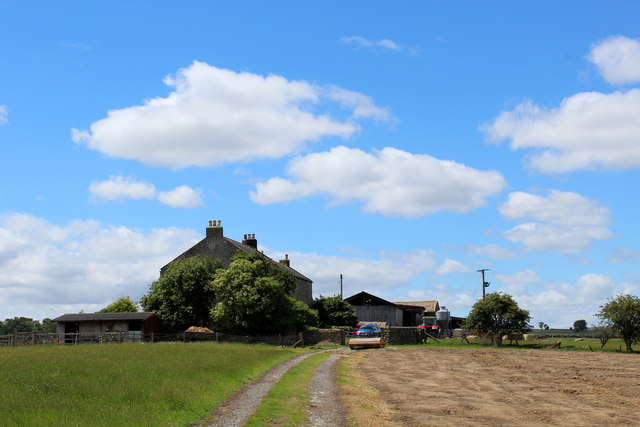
{"points": [[125, 385]]}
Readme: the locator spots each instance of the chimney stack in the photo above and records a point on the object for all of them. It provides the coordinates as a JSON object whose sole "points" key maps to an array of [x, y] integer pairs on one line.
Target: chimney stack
{"points": [[214, 229], [250, 240], [286, 260]]}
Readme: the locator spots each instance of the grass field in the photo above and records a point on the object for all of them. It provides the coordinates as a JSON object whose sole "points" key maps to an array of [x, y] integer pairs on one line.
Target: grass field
{"points": [[127, 384]]}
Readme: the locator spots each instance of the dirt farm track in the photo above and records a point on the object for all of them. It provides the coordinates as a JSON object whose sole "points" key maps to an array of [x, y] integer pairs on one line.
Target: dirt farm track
{"points": [[472, 387]]}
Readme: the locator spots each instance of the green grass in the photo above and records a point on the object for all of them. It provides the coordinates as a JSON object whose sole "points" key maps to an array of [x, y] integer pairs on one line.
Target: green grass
{"points": [[286, 402], [170, 384]]}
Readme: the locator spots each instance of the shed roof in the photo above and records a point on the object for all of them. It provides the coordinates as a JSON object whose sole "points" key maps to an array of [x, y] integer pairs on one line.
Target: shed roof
{"points": [[94, 317], [365, 298], [425, 305]]}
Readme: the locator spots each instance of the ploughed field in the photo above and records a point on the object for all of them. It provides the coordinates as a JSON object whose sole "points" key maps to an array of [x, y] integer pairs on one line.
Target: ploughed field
{"points": [[438, 386]]}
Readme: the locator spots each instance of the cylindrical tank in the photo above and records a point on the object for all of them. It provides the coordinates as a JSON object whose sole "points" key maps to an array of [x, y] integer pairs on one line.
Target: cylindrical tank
{"points": [[443, 318], [443, 315]]}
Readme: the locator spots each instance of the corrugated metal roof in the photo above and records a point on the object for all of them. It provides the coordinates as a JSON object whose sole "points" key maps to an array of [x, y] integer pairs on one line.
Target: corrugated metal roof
{"points": [[93, 317], [427, 305]]}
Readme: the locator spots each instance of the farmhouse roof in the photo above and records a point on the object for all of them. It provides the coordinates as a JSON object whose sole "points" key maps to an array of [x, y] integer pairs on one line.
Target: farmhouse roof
{"points": [[216, 245], [93, 317]]}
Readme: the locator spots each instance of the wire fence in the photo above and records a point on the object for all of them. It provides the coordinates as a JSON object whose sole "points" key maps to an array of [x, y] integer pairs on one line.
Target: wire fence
{"points": [[288, 340]]}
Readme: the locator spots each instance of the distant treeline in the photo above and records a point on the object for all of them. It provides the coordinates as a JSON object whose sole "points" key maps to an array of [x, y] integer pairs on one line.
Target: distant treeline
{"points": [[26, 324]]}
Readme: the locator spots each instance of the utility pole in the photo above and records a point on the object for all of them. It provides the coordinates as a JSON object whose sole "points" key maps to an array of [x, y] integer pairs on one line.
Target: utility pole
{"points": [[484, 284], [341, 286]]}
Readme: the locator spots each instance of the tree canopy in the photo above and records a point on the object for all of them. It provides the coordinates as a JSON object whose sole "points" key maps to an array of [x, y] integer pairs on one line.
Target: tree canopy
{"points": [[183, 295], [121, 305], [253, 295], [580, 325], [334, 311], [623, 314], [496, 315], [26, 324]]}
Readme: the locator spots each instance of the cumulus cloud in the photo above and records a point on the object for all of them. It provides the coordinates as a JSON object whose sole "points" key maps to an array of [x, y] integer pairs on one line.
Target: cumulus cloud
{"points": [[383, 276], [181, 197], [617, 59], [563, 208], [121, 188], [589, 130], [47, 269], [559, 303], [124, 188], [383, 45], [391, 182], [450, 266], [563, 221], [4, 115], [215, 115]]}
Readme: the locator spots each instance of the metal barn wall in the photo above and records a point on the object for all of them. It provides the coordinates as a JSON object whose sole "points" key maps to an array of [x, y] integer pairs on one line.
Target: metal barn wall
{"points": [[379, 313]]}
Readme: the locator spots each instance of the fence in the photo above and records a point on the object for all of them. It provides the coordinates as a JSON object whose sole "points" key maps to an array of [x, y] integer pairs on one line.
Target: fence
{"points": [[302, 339]]}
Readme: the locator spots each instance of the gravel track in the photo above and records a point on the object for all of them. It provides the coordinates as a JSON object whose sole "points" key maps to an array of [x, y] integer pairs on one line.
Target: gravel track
{"points": [[325, 408], [235, 411]]}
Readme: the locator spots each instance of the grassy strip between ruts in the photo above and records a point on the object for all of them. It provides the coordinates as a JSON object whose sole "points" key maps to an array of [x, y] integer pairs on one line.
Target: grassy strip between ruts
{"points": [[125, 384], [286, 403]]}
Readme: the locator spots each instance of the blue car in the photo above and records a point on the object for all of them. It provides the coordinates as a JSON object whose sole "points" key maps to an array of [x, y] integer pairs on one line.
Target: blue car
{"points": [[369, 330]]}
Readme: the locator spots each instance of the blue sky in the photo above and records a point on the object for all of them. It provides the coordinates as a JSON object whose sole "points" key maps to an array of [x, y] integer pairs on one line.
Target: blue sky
{"points": [[404, 146]]}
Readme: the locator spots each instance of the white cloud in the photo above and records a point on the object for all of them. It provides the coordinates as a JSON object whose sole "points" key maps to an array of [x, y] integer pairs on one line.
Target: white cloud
{"points": [[215, 115], [181, 197], [563, 208], [383, 45], [493, 251], [450, 266], [124, 188], [561, 304], [47, 270], [516, 283], [589, 130], [4, 115], [362, 105], [388, 181], [617, 59], [567, 221], [121, 188], [382, 276]]}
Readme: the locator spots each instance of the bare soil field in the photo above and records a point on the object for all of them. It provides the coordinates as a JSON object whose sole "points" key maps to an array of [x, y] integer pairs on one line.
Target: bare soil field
{"points": [[472, 387]]}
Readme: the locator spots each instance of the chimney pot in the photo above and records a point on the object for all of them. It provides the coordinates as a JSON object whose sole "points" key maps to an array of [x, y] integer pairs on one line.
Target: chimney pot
{"points": [[214, 230]]}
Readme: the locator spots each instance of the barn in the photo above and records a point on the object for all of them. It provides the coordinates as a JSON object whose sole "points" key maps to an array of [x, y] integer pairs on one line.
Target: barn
{"points": [[371, 308], [93, 325]]}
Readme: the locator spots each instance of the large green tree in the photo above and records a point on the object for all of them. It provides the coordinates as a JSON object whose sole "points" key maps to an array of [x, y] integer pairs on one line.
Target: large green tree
{"points": [[121, 305], [580, 325], [496, 315], [254, 295], [183, 295], [334, 311], [623, 314]]}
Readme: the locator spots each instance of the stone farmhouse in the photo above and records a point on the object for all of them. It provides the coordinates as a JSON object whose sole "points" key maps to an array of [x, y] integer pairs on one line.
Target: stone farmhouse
{"points": [[216, 245]]}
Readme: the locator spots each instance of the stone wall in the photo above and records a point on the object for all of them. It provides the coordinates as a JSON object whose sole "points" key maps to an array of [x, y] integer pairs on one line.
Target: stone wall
{"points": [[402, 335]]}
